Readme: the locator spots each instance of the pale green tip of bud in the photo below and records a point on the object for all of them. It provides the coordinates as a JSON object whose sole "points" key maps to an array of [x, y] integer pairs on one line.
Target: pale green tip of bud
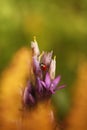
{"points": [[41, 55], [55, 58], [35, 48], [53, 68], [35, 39]]}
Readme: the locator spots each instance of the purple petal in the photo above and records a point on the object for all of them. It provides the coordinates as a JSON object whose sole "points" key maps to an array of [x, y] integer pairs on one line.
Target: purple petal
{"points": [[48, 80], [29, 87], [52, 87], [52, 90], [43, 84], [60, 87], [27, 97], [31, 98], [36, 66], [39, 85], [35, 48], [56, 81]]}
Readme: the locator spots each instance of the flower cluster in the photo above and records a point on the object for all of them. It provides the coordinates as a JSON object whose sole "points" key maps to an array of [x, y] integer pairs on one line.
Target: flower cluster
{"points": [[44, 83]]}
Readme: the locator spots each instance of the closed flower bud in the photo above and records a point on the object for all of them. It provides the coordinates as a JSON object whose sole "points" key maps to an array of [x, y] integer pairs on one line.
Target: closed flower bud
{"points": [[35, 47], [52, 68]]}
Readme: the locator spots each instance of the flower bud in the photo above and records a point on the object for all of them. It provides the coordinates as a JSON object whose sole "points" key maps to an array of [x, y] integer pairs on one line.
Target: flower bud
{"points": [[46, 58], [35, 48], [52, 68]]}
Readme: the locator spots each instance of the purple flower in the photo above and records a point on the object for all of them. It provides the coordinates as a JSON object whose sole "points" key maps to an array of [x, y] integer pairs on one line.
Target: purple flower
{"points": [[28, 96], [44, 83]]}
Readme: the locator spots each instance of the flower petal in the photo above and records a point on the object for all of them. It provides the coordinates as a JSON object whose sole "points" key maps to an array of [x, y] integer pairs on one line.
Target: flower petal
{"points": [[60, 87], [56, 81], [52, 89], [46, 58], [25, 96], [36, 66], [27, 90], [31, 99], [28, 97], [52, 68], [35, 48], [39, 85], [43, 84], [47, 80]]}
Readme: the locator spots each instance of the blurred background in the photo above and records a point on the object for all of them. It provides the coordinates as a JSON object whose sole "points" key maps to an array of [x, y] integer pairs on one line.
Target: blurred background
{"points": [[60, 26]]}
